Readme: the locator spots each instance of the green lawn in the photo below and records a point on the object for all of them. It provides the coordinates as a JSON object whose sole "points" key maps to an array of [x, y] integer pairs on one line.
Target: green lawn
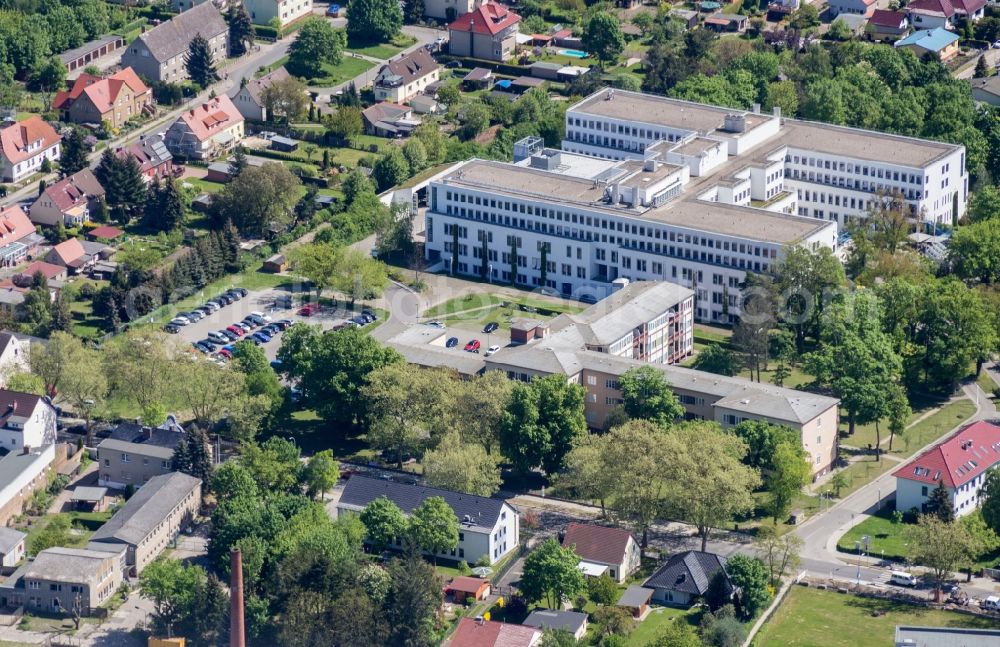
{"points": [[814, 618], [200, 185], [348, 68], [935, 426], [384, 51], [887, 538], [865, 471], [84, 524], [655, 623], [481, 308]]}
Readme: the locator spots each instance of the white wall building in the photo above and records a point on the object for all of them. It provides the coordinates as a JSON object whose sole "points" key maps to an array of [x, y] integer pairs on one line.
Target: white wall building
{"points": [[262, 12], [960, 463], [487, 527], [834, 171], [26, 420]]}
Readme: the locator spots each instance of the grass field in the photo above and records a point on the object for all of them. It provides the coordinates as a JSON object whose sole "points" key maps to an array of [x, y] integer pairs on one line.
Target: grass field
{"points": [[84, 524], [654, 624], [348, 68], [479, 309], [864, 471], [925, 431], [815, 618], [384, 51], [887, 538]]}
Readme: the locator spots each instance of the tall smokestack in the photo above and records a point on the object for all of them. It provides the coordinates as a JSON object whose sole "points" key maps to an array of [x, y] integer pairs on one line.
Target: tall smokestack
{"points": [[237, 638]]}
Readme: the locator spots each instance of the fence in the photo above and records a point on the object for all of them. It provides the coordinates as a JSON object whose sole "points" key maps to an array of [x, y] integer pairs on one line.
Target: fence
{"points": [[782, 592], [11, 619], [992, 572]]}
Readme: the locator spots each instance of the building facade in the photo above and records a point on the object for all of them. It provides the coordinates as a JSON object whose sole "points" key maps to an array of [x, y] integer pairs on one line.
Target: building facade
{"points": [[262, 12], [249, 99], [489, 32], [449, 9], [159, 54], [400, 80], [25, 147], [151, 154], [133, 454], [206, 131], [111, 100], [59, 579], [21, 473], [69, 200], [26, 420]]}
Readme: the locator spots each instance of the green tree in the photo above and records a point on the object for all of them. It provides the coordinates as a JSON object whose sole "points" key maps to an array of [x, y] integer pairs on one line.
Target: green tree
{"points": [[413, 603], [170, 585], [941, 546], [715, 358], [346, 124], [954, 331], [462, 467], [321, 473], [166, 207], [824, 101], [274, 464], [359, 276], [542, 424], [55, 533], [984, 204], [73, 153], [82, 386], [355, 184], [199, 63], [789, 472], [25, 382], [124, 187], [603, 590], [257, 200], [603, 37], [989, 497], [373, 21], [403, 404], [981, 70], [413, 11], [749, 575], [974, 251], [587, 472], [391, 169], [806, 17], [384, 523], [241, 31], [678, 633], [475, 118], [317, 262], [286, 101], [415, 155], [550, 573], [316, 43], [939, 503], [433, 526], [762, 439], [646, 395]]}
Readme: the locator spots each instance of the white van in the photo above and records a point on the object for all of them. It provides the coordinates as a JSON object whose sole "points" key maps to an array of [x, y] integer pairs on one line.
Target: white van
{"points": [[991, 603], [902, 578]]}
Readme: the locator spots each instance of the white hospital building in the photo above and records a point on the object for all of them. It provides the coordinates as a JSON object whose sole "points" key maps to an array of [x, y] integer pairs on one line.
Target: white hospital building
{"points": [[652, 188]]}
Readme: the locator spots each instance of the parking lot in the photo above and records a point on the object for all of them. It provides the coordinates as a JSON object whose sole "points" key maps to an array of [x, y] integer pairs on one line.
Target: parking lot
{"points": [[263, 301]]}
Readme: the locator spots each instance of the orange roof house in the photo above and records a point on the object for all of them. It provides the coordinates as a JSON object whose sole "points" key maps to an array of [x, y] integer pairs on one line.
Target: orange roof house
{"points": [[206, 130], [463, 587], [113, 100], [24, 147]]}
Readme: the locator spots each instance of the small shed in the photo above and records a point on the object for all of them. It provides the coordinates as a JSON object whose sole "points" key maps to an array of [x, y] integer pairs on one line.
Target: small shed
{"points": [[545, 70], [636, 600], [478, 78], [202, 203], [425, 105], [275, 264], [524, 330], [525, 83], [284, 144], [91, 499], [463, 587], [572, 621], [105, 232]]}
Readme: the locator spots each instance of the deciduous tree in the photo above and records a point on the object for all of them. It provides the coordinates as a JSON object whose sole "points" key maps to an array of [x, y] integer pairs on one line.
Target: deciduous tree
{"points": [[316, 43], [603, 37], [646, 395], [788, 473], [462, 467], [551, 574], [941, 546], [384, 523], [373, 21], [403, 402], [433, 526]]}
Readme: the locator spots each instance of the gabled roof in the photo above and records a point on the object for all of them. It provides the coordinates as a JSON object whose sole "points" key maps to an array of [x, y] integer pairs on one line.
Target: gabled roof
{"points": [[74, 190], [471, 510], [14, 225], [478, 74], [688, 572], [385, 111], [958, 459], [128, 436], [256, 87], [212, 117], [932, 7], [77, 565], [597, 543], [570, 621], [48, 270], [488, 19], [173, 37], [968, 6], [107, 232], [885, 18], [465, 584], [933, 40], [9, 538], [149, 152], [101, 92], [147, 508], [16, 138], [415, 65], [69, 251], [471, 633], [19, 406]]}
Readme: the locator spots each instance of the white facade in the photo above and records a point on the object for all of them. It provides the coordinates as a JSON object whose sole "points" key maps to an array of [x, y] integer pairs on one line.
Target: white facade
{"points": [[913, 494], [13, 358], [834, 171], [33, 474], [262, 12], [438, 9], [15, 172], [36, 430]]}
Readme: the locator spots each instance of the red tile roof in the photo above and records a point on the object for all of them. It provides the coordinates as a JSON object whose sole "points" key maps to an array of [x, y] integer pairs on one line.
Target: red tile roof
{"points": [[15, 139], [101, 92], [106, 232], [885, 18], [14, 225], [74, 190], [486, 19], [597, 543], [48, 270], [957, 460], [940, 7], [464, 584], [968, 6], [493, 634], [69, 251], [211, 117]]}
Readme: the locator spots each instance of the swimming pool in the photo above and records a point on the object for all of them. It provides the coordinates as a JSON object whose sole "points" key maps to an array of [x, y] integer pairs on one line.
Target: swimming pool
{"points": [[575, 53]]}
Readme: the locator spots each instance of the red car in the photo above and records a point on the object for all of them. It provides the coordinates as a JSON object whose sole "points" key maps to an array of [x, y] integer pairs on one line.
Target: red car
{"points": [[225, 353], [473, 346], [236, 330], [307, 311]]}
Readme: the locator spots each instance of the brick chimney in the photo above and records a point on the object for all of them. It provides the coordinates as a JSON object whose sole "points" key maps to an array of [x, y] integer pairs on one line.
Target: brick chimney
{"points": [[237, 637]]}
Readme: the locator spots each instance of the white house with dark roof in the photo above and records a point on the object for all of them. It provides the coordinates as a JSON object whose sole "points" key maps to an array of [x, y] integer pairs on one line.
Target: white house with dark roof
{"points": [[11, 547], [488, 527], [15, 351], [400, 80], [133, 454], [604, 549], [685, 577], [21, 473]]}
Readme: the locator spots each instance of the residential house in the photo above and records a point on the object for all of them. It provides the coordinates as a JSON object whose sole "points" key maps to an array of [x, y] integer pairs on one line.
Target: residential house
{"points": [[14, 353], [685, 577], [938, 41], [986, 90], [572, 622], [488, 33], [449, 9], [22, 472], [159, 54], [389, 120], [51, 273], [854, 23], [11, 548], [26, 420], [930, 14], [72, 255], [68, 201], [263, 12], [602, 548], [462, 587], [488, 527], [425, 105], [18, 239], [57, 578], [856, 7], [151, 154], [150, 520], [249, 99], [400, 80], [88, 53], [887, 25], [488, 633], [207, 130], [727, 22], [111, 100], [133, 454], [25, 146], [960, 462]]}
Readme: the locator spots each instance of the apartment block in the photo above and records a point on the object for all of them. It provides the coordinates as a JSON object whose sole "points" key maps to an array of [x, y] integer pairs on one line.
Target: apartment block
{"points": [[58, 579]]}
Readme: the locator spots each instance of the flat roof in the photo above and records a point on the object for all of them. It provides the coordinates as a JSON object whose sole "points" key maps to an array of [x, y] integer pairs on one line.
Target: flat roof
{"points": [[947, 636]]}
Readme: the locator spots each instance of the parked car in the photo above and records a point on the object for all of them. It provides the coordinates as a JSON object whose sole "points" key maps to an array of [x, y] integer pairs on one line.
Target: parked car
{"points": [[370, 313], [226, 353], [307, 311], [250, 321], [217, 336], [211, 306], [990, 603], [195, 315], [245, 326], [209, 342], [492, 350], [262, 336], [284, 323], [473, 346], [179, 321], [902, 578], [261, 315], [257, 321], [236, 330], [234, 295], [451, 343], [172, 329], [435, 324], [202, 347], [242, 291], [229, 334], [490, 327]]}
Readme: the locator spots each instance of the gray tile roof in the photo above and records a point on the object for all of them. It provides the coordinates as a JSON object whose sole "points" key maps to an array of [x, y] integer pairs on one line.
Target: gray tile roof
{"points": [[10, 538], [635, 596], [637, 303], [256, 87], [147, 508], [14, 463], [173, 37], [130, 437], [76, 565], [570, 621], [415, 65], [88, 494], [362, 490], [688, 572], [947, 636]]}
